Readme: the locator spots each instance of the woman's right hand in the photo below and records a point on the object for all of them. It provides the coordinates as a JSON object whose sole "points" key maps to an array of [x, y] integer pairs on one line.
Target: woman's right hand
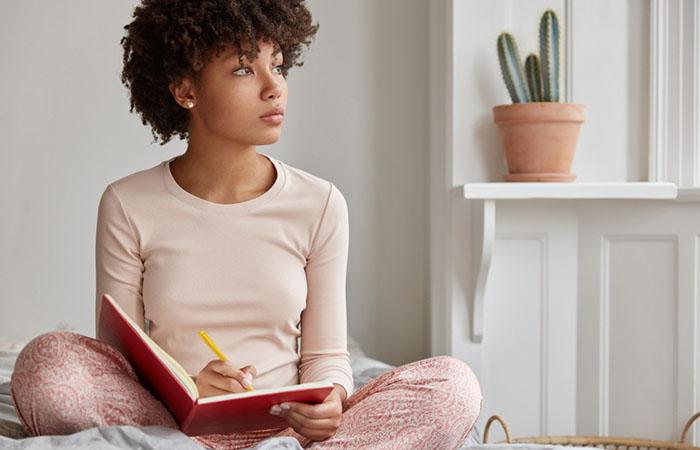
{"points": [[221, 377]]}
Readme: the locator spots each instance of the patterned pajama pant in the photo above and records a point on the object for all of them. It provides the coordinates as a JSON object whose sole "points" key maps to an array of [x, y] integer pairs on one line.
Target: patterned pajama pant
{"points": [[64, 382]]}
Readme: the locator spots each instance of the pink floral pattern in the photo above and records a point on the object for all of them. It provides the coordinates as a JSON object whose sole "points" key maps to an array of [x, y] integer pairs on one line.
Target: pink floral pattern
{"points": [[64, 382]]}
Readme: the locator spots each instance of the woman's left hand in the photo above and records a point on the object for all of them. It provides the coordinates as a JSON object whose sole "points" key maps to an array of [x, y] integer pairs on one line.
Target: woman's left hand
{"points": [[316, 422]]}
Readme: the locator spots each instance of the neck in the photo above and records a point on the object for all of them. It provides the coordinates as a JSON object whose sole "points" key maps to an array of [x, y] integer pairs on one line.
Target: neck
{"points": [[222, 172]]}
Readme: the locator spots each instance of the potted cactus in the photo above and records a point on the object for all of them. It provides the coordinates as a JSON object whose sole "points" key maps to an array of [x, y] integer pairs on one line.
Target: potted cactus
{"points": [[538, 133]]}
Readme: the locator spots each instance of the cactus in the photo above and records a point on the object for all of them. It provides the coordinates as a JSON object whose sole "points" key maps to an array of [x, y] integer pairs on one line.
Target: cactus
{"points": [[534, 78], [511, 69], [549, 53], [539, 82]]}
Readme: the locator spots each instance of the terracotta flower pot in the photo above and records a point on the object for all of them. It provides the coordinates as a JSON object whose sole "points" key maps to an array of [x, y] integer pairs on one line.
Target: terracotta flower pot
{"points": [[539, 139]]}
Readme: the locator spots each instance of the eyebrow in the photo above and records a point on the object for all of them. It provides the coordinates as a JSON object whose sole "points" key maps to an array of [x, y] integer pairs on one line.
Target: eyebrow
{"points": [[234, 54]]}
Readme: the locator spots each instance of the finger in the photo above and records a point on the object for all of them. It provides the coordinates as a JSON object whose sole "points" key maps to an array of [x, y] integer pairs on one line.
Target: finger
{"points": [[306, 426], [211, 391], [311, 433], [226, 369], [317, 411], [327, 424], [246, 377], [251, 370], [226, 383]]}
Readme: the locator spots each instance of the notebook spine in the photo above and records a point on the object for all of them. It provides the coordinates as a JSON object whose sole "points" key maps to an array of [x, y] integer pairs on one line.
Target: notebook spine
{"points": [[185, 425]]}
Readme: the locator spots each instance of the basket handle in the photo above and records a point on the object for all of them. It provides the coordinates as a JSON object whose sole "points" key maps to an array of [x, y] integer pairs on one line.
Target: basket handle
{"points": [[687, 426], [507, 432], [488, 425]]}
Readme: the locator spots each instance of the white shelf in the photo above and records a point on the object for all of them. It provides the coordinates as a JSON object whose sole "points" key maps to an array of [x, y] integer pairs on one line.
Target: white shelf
{"points": [[483, 227], [575, 190]]}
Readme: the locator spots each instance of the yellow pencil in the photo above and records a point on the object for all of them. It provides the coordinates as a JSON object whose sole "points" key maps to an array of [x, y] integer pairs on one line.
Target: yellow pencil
{"points": [[207, 340]]}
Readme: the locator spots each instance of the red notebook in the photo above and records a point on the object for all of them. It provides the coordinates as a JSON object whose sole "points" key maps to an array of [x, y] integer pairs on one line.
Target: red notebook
{"points": [[170, 383]]}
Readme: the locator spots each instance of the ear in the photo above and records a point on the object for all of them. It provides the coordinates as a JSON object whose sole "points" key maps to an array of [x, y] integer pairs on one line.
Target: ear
{"points": [[183, 91]]}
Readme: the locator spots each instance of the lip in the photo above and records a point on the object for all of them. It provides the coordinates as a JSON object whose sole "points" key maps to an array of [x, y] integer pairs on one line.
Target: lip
{"points": [[273, 112], [274, 119]]}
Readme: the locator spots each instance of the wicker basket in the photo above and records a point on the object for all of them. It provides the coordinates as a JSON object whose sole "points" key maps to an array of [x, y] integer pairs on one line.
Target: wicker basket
{"points": [[607, 443]]}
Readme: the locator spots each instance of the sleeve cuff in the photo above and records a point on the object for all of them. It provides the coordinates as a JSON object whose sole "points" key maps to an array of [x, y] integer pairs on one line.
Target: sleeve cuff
{"points": [[348, 384]]}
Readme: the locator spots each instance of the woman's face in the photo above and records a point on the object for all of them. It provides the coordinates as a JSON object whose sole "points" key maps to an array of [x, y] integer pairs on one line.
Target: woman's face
{"points": [[230, 98]]}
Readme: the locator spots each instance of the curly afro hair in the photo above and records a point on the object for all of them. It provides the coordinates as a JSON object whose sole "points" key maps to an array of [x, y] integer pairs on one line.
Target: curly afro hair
{"points": [[171, 39]]}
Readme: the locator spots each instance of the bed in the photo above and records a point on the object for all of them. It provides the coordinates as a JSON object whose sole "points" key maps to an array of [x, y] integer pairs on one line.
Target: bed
{"points": [[13, 435]]}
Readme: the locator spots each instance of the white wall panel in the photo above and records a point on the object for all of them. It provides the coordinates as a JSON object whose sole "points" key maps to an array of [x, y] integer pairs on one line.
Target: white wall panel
{"points": [[529, 345], [639, 311], [514, 374]]}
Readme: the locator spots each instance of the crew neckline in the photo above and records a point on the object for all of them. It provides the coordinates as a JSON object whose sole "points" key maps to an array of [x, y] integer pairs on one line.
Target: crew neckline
{"points": [[226, 208]]}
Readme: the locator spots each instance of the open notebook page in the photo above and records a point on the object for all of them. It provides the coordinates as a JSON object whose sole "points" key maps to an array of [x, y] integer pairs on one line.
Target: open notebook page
{"points": [[170, 362]]}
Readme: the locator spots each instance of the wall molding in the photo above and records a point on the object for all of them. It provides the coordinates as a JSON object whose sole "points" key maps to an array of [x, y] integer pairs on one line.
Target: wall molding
{"points": [[543, 240], [440, 182], [569, 61], [604, 320], [674, 113], [695, 145], [604, 340], [696, 335], [659, 91], [695, 429]]}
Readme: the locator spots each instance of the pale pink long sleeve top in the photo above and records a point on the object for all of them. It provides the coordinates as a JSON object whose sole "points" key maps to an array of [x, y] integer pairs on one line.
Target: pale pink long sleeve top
{"points": [[255, 275]]}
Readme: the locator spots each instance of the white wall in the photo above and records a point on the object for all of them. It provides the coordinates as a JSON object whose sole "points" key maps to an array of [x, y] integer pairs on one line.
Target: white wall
{"points": [[357, 115]]}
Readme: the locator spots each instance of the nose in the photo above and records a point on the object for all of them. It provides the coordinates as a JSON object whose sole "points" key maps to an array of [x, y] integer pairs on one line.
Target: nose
{"points": [[273, 88]]}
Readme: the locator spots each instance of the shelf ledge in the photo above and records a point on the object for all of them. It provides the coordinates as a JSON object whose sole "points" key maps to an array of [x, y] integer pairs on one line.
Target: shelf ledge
{"points": [[575, 190]]}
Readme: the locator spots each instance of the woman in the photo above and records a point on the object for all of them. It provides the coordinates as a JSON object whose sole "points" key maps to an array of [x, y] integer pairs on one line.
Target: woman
{"points": [[235, 242]]}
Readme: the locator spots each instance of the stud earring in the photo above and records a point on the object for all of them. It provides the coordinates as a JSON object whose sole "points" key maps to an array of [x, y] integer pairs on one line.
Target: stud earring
{"points": [[190, 104]]}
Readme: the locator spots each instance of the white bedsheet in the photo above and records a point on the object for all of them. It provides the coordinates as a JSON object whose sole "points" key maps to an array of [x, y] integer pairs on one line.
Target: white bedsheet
{"points": [[8, 355]]}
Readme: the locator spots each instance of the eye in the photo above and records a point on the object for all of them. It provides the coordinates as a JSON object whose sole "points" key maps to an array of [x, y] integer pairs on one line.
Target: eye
{"points": [[239, 69], [279, 67]]}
